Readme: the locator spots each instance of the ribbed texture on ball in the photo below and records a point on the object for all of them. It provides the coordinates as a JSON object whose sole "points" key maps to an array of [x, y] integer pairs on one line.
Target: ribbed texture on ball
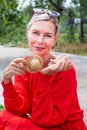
{"points": [[34, 63]]}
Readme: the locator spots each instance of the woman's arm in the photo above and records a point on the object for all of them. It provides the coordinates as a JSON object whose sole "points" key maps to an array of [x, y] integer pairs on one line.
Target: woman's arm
{"points": [[16, 98], [15, 93]]}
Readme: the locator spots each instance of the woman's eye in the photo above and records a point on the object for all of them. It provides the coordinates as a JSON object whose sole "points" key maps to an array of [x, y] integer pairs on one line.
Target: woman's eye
{"points": [[49, 36], [35, 32]]}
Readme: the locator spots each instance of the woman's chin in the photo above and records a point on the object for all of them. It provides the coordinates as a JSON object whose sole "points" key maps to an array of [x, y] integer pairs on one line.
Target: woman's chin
{"points": [[37, 53]]}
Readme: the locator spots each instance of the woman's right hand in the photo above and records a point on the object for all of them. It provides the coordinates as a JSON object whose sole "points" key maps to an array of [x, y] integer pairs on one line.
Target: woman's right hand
{"points": [[16, 67]]}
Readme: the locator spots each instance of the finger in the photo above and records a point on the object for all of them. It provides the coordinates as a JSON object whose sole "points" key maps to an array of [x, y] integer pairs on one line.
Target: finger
{"points": [[58, 57], [15, 71], [9, 72], [54, 69], [45, 70], [18, 72], [53, 56], [51, 69], [14, 68], [20, 60], [65, 65], [17, 65], [54, 59], [51, 62], [62, 57]]}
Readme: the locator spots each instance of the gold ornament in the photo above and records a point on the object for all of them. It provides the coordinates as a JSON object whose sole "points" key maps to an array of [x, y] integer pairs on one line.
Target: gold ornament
{"points": [[34, 63]]}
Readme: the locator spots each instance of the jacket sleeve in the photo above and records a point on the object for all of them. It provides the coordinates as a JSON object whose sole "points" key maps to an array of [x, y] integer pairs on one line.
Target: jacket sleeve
{"points": [[16, 98], [53, 98]]}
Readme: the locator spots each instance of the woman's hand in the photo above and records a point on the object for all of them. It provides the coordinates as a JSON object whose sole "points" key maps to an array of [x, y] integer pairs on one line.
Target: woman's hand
{"points": [[16, 67], [57, 64]]}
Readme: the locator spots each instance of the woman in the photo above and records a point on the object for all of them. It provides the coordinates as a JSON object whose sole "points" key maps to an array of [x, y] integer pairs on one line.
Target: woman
{"points": [[41, 100]]}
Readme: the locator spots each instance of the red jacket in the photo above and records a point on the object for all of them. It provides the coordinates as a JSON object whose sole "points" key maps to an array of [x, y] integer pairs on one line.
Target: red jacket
{"points": [[50, 100]]}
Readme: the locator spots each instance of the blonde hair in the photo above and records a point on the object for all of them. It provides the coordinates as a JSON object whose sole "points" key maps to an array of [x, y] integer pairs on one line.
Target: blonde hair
{"points": [[43, 17]]}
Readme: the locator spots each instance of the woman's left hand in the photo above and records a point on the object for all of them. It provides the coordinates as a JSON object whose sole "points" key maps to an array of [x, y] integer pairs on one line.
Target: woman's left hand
{"points": [[57, 64]]}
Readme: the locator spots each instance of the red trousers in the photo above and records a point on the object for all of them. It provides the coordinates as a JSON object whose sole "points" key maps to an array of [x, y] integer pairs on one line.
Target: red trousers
{"points": [[9, 121]]}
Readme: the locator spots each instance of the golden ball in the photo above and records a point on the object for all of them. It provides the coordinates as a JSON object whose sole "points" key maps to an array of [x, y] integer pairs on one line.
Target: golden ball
{"points": [[34, 63]]}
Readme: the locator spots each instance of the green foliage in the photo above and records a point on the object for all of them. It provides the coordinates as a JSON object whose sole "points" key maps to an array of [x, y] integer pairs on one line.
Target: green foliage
{"points": [[1, 107], [8, 11], [13, 21], [13, 24], [13, 34]]}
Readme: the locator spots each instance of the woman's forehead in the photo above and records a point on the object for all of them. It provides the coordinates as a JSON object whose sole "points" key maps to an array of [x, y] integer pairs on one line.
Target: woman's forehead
{"points": [[43, 25]]}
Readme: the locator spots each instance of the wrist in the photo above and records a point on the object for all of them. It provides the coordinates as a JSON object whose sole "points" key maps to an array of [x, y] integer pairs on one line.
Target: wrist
{"points": [[6, 80]]}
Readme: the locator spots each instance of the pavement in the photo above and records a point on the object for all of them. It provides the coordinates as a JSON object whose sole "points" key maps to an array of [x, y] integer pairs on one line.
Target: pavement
{"points": [[80, 63]]}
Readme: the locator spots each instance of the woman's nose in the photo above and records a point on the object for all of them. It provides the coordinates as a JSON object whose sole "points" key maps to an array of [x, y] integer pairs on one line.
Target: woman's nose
{"points": [[40, 39]]}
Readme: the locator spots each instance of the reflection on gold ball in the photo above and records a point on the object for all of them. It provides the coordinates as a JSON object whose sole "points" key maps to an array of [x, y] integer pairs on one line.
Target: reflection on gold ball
{"points": [[34, 63]]}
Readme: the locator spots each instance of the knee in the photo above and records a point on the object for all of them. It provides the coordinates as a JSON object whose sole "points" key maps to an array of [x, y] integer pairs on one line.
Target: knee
{"points": [[16, 123], [20, 123], [2, 122], [2, 115], [5, 116]]}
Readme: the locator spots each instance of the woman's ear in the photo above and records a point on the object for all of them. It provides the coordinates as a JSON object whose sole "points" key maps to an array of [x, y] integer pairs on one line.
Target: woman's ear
{"points": [[56, 38], [27, 31]]}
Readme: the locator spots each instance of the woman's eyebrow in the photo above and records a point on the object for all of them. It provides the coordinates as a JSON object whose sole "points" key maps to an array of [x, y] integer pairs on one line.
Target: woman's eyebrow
{"points": [[35, 30], [49, 33]]}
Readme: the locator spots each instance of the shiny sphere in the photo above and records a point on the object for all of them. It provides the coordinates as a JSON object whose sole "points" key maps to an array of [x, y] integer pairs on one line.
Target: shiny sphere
{"points": [[34, 63]]}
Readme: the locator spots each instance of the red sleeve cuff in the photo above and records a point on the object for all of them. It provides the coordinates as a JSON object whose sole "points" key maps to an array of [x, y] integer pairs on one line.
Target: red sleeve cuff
{"points": [[6, 85]]}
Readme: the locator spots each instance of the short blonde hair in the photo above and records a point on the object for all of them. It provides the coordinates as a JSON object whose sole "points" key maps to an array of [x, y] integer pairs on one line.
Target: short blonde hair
{"points": [[43, 17]]}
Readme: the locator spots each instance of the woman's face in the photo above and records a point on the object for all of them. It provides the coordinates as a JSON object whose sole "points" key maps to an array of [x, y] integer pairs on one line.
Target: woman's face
{"points": [[41, 37]]}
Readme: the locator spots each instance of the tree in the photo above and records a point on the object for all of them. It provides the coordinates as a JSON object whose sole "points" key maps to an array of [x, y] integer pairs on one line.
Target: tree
{"points": [[81, 6], [10, 20], [8, 11]]}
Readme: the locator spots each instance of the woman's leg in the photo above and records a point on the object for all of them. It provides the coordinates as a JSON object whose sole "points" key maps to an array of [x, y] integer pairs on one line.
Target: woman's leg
{"points": [[5, 116], [9, 121], [19, 123]]}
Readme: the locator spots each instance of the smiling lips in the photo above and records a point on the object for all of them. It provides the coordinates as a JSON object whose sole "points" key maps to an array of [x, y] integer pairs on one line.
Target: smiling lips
{"points": [[39, 48]]}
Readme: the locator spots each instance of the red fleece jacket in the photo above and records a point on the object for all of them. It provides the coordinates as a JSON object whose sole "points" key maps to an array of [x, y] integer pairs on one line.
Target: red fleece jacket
{"points": [[50, 100]]}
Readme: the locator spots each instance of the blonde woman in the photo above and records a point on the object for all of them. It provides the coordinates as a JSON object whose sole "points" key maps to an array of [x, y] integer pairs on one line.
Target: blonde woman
{"points": [[45, 99]]}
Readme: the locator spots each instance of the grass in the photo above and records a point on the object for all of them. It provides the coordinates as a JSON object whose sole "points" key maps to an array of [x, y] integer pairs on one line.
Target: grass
{"points": [[74, 48]]}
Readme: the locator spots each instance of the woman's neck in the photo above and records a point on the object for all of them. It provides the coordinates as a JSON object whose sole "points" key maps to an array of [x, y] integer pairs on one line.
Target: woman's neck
{"points": [[46, 60]]}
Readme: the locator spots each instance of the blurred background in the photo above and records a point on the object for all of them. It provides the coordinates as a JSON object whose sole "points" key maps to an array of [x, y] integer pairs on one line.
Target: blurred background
{"points": [[15, 14]]}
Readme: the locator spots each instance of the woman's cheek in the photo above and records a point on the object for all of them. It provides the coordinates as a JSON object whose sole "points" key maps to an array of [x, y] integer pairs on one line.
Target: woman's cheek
{"points": [[30, 41], [49, 45]]}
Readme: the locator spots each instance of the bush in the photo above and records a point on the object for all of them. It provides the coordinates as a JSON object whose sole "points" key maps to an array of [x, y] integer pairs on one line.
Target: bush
{"points": [[1, 107], [12, 34], [74, 48]]}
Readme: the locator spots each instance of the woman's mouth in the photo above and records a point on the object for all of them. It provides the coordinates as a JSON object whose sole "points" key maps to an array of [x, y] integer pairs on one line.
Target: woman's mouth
{"points": [[39, 48]]}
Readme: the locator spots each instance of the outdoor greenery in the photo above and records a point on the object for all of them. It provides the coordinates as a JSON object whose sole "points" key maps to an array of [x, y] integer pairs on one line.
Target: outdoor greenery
{"points": [[1, 107], [14, 19]]}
